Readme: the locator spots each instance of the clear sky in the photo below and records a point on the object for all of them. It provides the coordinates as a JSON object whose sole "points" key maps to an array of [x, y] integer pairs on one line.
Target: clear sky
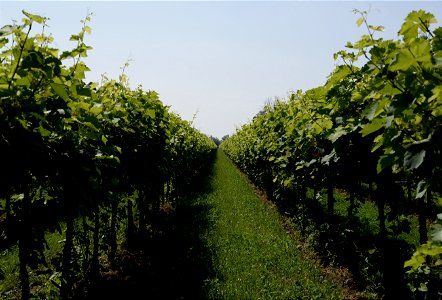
{"points": [[219, 60]]}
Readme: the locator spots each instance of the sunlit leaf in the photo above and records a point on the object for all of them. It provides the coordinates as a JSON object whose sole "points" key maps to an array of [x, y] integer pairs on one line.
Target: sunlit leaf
{"points": [[150, 113], [376, 28], [35, 18], [96, 109], [8, 29], [60, 90], [403, 61], [374, 126]]}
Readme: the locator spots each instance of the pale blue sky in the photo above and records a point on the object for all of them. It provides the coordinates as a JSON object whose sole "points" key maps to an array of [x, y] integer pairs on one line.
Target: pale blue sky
{"points": [[222, 59]]}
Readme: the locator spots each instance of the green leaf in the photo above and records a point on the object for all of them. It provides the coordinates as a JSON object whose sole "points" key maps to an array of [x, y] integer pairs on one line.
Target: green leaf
{"points": [[385, 161], [423, 287], [421, 51], [332, 156], [66, 54], [389, 90], [91, 126], [421, 189], [410, 263], [337, 134], [374, 126], [8, 29], [43, 131], [415, 261], [80, 70], [74, 37], [24, 81], [437, 58], [287, 182], [433, 251], [360, 21], [413, 160], [370, 111], [60, 90], [338, 74], [321, 124], [87, 29], [403, 61], [84, 91], [364, 42], [376, 28], [150, 113], [36, 18], [378, 142], [436, 235], [3, 42], [96, 109], [83, 105], [409, 29], [104, 139]]}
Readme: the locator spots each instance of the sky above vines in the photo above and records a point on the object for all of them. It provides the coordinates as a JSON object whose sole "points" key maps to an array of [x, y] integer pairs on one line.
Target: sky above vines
{"points": [[216, 63]]}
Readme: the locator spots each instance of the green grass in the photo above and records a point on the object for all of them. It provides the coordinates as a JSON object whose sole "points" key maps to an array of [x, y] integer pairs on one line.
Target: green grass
{"points": [[9, 263], [9, 267], [253, 256], [367, 214]]}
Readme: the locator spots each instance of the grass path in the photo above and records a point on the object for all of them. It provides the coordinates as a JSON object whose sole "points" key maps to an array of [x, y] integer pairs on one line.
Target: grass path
{"points": [[251, 254]]}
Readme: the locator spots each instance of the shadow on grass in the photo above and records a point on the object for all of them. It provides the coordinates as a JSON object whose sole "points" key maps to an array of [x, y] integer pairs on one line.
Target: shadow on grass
{"points": [[374, 262], [173, 262]]}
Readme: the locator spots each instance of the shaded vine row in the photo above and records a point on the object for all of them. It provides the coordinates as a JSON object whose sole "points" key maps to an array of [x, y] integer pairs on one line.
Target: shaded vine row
{"points": [[88, 160]]}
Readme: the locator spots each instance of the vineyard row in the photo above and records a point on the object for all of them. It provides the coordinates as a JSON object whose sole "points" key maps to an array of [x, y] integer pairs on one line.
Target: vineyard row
{"points": [[85, 159]]}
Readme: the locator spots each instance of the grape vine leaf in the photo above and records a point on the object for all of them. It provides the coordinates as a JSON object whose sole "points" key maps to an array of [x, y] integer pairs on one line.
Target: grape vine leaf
{"points": [[35, 18], [421, 189], [60, 91], [375, 125], [413, 160]]}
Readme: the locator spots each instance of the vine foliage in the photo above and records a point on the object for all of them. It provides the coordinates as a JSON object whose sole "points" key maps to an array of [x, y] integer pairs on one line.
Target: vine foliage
{"points": [[76, 154], [375, 122]]}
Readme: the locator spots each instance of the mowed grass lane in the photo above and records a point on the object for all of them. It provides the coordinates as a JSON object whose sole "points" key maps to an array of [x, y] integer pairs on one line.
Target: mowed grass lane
{"points": [[252, 255]]}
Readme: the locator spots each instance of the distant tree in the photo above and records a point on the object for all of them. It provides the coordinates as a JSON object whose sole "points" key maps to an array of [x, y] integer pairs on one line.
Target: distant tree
{"points": [[224, 137], [216, 140]]}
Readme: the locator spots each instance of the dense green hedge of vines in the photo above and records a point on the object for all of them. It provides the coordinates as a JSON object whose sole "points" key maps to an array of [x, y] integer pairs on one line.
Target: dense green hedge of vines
{"points": [[376, 121], [69, 150]]}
